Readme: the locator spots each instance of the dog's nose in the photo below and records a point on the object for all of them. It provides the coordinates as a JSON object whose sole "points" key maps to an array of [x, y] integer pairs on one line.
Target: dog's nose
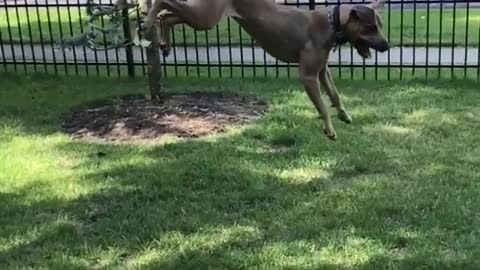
{"points": [[384, 46]]}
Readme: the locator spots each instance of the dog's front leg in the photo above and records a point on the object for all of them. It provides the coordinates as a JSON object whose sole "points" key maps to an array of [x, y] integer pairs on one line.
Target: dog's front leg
{"points": [[329, 87], [309, 71]]}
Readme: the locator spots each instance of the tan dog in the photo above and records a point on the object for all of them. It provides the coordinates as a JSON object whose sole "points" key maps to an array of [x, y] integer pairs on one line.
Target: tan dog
{"points": [[287, 33]]}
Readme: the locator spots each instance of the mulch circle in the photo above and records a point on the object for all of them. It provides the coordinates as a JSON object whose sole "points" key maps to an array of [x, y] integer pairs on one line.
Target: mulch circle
{"points": [[134, 118]]}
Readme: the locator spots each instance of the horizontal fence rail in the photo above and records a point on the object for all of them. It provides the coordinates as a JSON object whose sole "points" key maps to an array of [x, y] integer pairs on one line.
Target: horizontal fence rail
{"points": [[429, 39]]}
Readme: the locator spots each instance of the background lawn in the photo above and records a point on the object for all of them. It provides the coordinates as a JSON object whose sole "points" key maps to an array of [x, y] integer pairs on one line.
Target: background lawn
{"points": [[398, 190], [414, 27]]}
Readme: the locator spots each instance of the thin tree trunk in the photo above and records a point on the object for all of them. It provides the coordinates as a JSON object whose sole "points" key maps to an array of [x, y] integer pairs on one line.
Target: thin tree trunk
{"points": [[153, 62]]}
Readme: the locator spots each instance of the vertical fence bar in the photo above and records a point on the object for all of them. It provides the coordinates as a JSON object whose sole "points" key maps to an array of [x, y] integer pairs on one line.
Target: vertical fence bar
{"points": [[253, 58], [2, 50], [70, 27], [10, 38], [174, 48], [107, 56], [277, 71], [297, 5], [219, 54], [241, 51], [50, 31], [427, 43], [440, 41], [478, 54], [30, 35], [142, 53], [119, 64], [389, 37], [95, 54], [195, 37], [352, 66], [376, 65], [414, 52], [129, 47], [230, 46], [364, 71], [265, 69], [80, 17], [20, 35], [453, 39], [467, 19], [162, 65], [117, 56], [339, 49], [401, 38], [40, 35], [60, 28], [208, 55], [351, 63], [163, 60], [185, 53]]}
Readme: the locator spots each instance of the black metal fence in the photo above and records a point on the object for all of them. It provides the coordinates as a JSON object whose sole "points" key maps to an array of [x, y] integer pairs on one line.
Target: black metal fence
{"points": [[429, 39]]}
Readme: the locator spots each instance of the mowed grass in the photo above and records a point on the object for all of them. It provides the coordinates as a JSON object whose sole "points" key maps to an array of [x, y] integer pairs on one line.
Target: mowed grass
{"points": [[408, 28], [398, 190]]}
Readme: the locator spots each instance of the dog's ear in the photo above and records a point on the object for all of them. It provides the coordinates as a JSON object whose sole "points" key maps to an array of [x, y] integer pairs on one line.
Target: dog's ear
{"points": [[377, 4], [364, 14]]}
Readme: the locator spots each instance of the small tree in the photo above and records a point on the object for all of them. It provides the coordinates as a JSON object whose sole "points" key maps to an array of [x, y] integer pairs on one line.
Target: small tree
{"points": [[153, 61]]}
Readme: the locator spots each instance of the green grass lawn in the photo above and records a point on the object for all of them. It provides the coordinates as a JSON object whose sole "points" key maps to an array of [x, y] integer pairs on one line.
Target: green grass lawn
{"points": [[414, 27], [398, 190]]}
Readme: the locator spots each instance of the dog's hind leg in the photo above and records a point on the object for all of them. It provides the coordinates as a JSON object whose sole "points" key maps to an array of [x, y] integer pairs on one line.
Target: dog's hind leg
{"points": [[166, 24], [329, 87], [151, 14], [198, 14]]}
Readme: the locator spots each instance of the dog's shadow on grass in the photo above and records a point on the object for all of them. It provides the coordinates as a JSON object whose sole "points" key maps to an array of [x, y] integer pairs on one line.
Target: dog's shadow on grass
{"points": [[273, 196]]}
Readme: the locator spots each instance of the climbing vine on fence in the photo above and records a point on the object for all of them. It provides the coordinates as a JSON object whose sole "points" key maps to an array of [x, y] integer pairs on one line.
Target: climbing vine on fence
{"points": [[113, 32]]}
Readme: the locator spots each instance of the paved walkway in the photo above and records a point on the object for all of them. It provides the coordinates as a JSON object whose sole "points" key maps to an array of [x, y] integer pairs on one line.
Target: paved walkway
{"points": [[225, 55]]}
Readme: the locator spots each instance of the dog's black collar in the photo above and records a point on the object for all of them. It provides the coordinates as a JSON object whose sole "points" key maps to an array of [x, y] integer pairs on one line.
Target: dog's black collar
{"points": [[334, 19]]}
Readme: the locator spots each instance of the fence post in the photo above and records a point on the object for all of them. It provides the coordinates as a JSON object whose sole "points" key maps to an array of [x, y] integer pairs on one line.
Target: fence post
{"points": [[311, 4], [128, 48]]}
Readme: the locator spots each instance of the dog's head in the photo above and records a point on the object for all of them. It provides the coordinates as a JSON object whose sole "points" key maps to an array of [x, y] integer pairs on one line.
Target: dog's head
{"points": [[362, 26]]}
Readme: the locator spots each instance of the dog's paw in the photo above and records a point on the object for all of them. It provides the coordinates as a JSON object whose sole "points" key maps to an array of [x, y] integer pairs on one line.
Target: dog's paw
{"points": [[330, 134], [165, 52], [164, 13], [164, 48], [344, 116]]}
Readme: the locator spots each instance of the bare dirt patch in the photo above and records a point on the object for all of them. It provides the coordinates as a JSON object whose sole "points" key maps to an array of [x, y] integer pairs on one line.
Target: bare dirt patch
{"points": [[130, 119]]}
